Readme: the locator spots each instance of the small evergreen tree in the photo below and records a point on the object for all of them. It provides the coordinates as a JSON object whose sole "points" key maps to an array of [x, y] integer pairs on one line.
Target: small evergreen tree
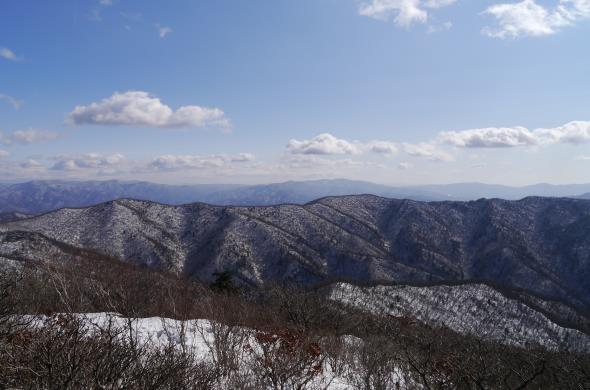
{"points": [[223, 281]]}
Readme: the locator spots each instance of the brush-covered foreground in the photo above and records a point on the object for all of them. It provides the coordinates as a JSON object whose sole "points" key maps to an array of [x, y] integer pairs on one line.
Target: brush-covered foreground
{"points": [[144, 335]]}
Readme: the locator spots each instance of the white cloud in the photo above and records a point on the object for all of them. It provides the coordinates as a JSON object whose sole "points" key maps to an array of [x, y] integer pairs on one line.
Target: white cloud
{"points": [[577, 132], [382, 147], [138, 108], [163, 30], [583, 158], [327, 144], [322, 144], [243, 157], [427, 150], [403, 12], [528, 18], [489, 137], [29, 136], [15, 103], [4, 153], [440, 27], [8, 54], [21, 169], [33, 136], [172, 162], [404, 165], [31, 164], [87, 161]]}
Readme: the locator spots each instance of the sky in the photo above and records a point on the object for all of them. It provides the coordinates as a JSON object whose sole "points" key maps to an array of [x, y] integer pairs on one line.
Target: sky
{"points": [[399, 92]]}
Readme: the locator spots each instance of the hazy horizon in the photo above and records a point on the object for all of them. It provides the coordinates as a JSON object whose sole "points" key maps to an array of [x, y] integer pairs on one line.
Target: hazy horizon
{"points": [[394, 185]]}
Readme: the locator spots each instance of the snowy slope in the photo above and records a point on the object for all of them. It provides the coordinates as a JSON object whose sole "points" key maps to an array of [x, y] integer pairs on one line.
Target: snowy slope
{"points": [[474, 309]]}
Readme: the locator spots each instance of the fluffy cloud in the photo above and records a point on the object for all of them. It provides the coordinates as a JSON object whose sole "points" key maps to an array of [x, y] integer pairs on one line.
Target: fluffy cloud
{"points": [[4, 153], [88, 161], [322, 144], [382, 147], [404, 166], [403, 12], [29, 136], [172, 162], [8, 54], [439, 28], [33, 136], [527, 18], [428, 151], [577, 132], [31, 165], [138, 108], [327, 144], [489, 137], [163, 30], [15, 103]]}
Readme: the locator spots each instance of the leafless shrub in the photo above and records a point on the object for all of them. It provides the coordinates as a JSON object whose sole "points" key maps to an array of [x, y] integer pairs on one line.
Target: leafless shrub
{"points": [[64, 352], [373, 364], [285, 359]]}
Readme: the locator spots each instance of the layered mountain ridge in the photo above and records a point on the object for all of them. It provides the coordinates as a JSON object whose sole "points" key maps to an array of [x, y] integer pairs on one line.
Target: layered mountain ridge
{"points": [[526, 261], [539, 244]]}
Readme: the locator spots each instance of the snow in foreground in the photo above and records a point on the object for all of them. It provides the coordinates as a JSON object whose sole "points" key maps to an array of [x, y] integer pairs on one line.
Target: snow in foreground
{"points": [[197, 337]]}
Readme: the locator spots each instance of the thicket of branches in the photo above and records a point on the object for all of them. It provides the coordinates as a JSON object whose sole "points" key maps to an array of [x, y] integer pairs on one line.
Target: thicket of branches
{"points": [[277, 338]]}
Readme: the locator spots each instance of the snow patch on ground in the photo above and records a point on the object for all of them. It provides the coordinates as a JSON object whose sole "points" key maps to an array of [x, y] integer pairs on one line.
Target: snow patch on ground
{"points": [[194, 336]]}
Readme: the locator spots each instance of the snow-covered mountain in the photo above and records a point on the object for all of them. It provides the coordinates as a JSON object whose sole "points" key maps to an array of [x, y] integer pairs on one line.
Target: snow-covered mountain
{"points": [[538, 244]]}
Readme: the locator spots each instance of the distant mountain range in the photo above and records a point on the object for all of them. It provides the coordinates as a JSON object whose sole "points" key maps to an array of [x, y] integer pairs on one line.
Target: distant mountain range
{"points": [[43, 196], [13, 216]]}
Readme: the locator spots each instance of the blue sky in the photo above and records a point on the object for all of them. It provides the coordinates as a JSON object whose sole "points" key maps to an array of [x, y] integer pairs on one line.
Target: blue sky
{"points": [[392, 91]]}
